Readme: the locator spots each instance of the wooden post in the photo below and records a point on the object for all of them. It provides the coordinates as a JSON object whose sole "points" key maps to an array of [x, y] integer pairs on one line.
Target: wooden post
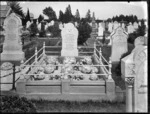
{"points": [[100, 54], [110, 65], [35, 54], [21, 70], [43, 48], [13, 85]]}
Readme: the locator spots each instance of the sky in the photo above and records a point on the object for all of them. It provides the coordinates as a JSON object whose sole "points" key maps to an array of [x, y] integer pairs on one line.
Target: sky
{"points": [[103, 10]]}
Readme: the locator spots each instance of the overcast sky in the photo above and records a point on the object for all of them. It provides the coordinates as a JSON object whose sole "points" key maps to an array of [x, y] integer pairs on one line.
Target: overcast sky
{"points": [[103, 10]]}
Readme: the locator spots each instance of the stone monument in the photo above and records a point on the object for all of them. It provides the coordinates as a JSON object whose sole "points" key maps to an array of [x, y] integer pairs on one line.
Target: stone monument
{"points": [[94, 29], [100, 31], [12, 47], [69, 40], [130, 28], [119, 44]]}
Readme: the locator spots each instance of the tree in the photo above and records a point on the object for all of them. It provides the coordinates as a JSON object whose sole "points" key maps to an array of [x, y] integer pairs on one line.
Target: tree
{"points": [[68, 15], [27, 18], [15, 7], [77, 16], [61, 16], [40, 18], [84, 31], [88, 16], [48, 11]]}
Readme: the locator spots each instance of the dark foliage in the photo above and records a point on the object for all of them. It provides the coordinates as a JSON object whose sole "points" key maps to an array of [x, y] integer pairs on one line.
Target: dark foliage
{"points": [[14, 104], [54, 30], [84, 32], [33, 29]]}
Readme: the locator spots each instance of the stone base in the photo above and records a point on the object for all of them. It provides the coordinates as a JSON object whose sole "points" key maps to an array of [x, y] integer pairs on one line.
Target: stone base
{"points": [[12, 56], [69, 53]]}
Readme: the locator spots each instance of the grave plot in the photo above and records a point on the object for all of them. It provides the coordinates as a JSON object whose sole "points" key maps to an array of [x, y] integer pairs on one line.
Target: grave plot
{"points": [[75, 75], [66, 77]]}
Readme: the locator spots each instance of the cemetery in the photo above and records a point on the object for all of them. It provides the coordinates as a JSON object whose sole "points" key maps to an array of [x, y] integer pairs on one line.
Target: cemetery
{"points": [[75, 60]]}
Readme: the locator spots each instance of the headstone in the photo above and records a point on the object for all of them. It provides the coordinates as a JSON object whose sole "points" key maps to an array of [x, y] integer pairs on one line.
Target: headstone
{"points": [[106, 25], [139, 23], [134, 71], [119, 44], [100, 31], [60, 26], [28, 24], [12, 47], [39, 26], [115, 25], [46, 26], [135, 25], [140, 84], [123, 25], [94, 29], [69, 40], [130, 28], [52, 22], [110, 27], [76, 24], [103, 25]]}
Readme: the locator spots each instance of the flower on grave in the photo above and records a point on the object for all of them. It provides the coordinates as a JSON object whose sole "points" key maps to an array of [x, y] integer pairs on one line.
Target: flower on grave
{"points": [[69, 60], [49, 69], [94, 69], [85, 69], [41, 75], [93, 76]]}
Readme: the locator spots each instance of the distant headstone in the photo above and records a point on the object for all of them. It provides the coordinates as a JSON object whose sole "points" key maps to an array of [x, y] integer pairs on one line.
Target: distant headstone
{"points": [[110, 27], [12, 47], [135, 25], [60, 26], [119, 44], [52, 22], [140, 84], [28, 24], [139, 23], [46, 26], [39, 26], [76, 24], [103, 25], [123, 25], [130, 28], [115, 25], [100, 31], [69, 40]]}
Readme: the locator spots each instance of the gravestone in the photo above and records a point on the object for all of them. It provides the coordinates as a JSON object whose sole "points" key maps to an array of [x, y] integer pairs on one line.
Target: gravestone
{"points": [[28, 24], [69, 36], [119, 44], [123, 25], [12, 47], [134, 72], [110, 27], [135, 25], [139, 23], [39, 26], [100, 31], [94, 29], [140, 69], [115, 25], [103, 25], [60, 26], [130, 28]]}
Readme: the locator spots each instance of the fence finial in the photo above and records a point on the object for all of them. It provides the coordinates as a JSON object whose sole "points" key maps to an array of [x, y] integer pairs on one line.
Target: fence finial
{"points": [[110, 65], [35, 54]]}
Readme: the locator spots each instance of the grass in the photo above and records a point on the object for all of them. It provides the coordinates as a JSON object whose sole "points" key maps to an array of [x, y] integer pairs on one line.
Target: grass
{"points": [[76, 106]]}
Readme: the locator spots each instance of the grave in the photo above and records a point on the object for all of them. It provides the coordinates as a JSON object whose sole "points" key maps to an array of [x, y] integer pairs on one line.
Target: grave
{"points": [[100, 32], [130, 28], [110, 27], [115, 25], [135, 25], [12, 47], [69, 40], [119, 44], [94, 29], [134, 72]]}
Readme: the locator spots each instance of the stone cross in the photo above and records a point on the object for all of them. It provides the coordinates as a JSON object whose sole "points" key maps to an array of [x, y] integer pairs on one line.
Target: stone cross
{"points": [[69, 36]]}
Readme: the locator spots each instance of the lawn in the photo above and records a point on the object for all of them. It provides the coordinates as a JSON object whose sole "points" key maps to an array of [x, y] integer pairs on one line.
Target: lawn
{"points": [[74, 106]]}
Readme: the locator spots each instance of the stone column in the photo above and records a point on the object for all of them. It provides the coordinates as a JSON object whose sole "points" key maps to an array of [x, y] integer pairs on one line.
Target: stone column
{"points": [[129, 93]]}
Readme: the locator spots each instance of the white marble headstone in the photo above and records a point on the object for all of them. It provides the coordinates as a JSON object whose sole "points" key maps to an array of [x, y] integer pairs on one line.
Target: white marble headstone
{"points": [[12, 47], [119, 44], [135, 25], [100, 31], [116, 25], [69, 40], [28, 24], [110, 27], [130, 28]]}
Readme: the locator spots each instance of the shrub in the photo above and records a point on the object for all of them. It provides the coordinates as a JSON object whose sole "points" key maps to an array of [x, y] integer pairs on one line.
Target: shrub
{"points": [[15, 104], [84, 32], [54, 30], [33, 29]]}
